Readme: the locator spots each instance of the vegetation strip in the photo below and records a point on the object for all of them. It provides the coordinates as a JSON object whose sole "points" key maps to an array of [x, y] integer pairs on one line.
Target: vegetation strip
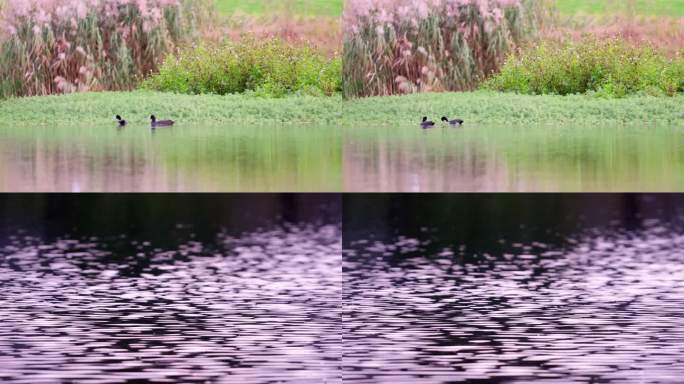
{"points": [[480, 107], [483, 107], [136, 107], [639, 7], [298, 7], [269, 68]]}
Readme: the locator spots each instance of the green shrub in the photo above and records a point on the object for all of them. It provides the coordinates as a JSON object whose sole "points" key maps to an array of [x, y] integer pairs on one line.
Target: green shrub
{"points": [[608, 68], [264, 68]]}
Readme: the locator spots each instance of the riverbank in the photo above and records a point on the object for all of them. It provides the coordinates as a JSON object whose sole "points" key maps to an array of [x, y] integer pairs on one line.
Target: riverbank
{"points": [[484, 107], [137, 106], [480, 107]]}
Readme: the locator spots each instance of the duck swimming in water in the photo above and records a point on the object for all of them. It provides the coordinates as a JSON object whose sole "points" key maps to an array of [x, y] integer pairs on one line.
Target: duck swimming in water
{"points": [[121, 121], [454, 122], [160, 123], [426, 123]]}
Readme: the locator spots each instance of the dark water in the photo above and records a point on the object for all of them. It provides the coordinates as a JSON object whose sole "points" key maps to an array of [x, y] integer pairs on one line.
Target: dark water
{"points": [[165, 296], [594, 295]]}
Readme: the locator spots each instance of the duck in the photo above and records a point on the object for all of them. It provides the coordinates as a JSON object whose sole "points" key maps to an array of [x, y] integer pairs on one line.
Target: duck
{"points": [[426, 123], [121, 121], [454, 122], [160, 123]]}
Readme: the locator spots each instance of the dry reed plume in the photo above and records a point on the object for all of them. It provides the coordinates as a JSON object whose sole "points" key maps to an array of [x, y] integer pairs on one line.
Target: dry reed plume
{"points": [[60, 46], [405, 46]]}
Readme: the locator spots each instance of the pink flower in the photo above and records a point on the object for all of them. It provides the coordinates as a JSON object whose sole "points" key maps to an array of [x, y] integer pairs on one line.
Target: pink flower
{"points": [[45, 11]]}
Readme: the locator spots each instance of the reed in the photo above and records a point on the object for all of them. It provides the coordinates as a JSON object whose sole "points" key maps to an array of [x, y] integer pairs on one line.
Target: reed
{"points": [[62, 46], [406, 46]]}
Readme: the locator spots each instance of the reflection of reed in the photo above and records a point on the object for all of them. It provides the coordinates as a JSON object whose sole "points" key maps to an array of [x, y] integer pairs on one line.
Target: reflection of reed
{"points": [[40, 166], [389, 167], [509, 159], [215, 159]]}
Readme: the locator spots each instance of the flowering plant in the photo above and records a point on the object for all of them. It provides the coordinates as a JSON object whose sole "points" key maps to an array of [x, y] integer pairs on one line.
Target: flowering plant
{"points": [[52, 46], [400, 46]]}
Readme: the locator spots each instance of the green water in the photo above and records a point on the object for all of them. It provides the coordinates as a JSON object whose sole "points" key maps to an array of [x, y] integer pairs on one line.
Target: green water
{"points": [[183, 158], [481, 158]]}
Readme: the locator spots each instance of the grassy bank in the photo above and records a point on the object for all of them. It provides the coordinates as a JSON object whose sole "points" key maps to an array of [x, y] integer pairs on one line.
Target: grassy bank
{"points": [[490, 107], [481, 107], [640, 7], [96, 107], [298, 7]]}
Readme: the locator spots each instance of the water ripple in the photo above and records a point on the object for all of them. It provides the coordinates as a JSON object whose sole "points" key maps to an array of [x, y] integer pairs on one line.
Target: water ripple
{"points": [[263, 307], [605, 309]]}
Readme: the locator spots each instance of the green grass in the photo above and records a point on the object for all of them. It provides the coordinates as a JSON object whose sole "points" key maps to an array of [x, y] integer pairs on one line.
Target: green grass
{"points": [[98, 107], [298, 7], [639, 7], [508, 108], [475, 107]]}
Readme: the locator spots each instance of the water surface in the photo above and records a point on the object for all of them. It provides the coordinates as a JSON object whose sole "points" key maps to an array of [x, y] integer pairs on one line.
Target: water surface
{"points": [[560, 158], [179, 304], [201, 158], [448, 302]]}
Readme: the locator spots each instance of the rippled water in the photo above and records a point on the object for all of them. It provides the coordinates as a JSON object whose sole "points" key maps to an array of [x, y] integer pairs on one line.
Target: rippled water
{"points": [[475, 158], [263, 307], [194, 158], [605, 308]]}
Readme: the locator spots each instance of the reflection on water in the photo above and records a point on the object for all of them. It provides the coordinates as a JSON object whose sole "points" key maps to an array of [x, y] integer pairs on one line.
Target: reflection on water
{"points": [[513, 158], [183, 158], [605, 306], [261, 307]]}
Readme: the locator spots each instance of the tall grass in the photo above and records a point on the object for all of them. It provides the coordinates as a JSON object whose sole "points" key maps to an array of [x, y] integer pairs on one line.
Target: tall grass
{"points": [[405, 46], [97, 108], [61, 46]]}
